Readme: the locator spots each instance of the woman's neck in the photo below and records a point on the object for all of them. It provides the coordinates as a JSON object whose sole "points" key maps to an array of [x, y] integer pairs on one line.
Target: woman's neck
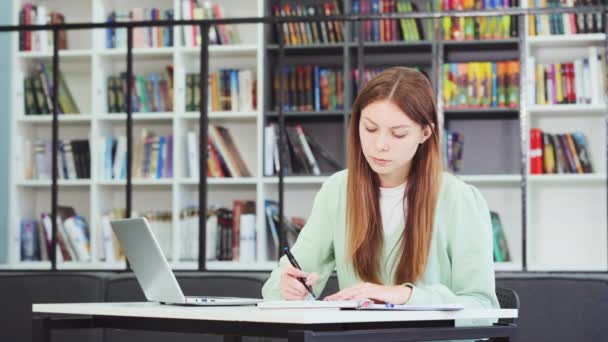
{"points": [[394, 179]]}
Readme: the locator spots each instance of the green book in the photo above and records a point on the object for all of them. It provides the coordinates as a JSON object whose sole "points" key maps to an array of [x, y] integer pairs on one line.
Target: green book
{"points": [[501, 250]]}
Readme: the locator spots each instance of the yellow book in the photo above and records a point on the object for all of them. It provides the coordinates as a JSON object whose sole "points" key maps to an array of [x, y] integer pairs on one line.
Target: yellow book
{"points": [[559, 88], [532, 20], [540, 85]]}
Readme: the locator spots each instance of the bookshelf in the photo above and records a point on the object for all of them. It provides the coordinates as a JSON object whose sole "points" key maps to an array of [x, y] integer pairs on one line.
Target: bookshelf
{"points": [[86, 64], [541, 213]]}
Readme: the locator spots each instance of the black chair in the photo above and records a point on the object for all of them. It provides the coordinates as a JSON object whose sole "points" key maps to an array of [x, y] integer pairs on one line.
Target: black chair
{"points": [[508, 299]]}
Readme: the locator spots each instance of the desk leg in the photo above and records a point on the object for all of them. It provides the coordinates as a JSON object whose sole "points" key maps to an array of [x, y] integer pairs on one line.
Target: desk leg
{"points": [[232, 338], [40, 329]]}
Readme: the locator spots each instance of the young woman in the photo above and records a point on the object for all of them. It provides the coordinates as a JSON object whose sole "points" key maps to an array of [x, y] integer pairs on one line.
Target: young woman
{"points": [[394, 226]]}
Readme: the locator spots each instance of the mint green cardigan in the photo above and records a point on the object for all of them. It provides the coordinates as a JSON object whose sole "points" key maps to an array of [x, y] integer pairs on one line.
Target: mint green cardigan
{"points": [[460, 266]]}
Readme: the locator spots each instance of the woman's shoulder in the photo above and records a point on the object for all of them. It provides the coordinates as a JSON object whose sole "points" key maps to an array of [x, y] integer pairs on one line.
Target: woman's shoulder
{"points": [[455, 191], [336, 181]]}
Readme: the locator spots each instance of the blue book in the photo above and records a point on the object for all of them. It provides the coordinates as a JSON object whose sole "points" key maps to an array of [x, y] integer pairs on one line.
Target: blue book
{"points": [[161, 157], [107, 164], [317, 89], [30, 250]]}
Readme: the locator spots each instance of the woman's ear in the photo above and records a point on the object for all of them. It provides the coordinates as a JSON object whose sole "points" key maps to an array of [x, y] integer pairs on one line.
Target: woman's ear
{"points": [[427, 131]]}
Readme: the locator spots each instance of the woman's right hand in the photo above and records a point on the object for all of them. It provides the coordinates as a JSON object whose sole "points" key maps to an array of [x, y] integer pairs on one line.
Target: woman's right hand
{"points": [[290, 287]]}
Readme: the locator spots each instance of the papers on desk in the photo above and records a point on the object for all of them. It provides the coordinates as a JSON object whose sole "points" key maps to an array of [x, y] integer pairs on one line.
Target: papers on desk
{"points": [[313, 304], [406, 307], [352, 305]]}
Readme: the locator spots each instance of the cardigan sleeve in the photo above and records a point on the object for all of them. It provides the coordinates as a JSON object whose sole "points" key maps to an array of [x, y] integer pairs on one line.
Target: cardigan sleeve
{"points": [[469, 247], [314, 247]]}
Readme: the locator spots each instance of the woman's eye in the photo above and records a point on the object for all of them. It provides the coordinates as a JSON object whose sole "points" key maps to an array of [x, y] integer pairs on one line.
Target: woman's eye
{"points": [[399, 136], [370, 129]]}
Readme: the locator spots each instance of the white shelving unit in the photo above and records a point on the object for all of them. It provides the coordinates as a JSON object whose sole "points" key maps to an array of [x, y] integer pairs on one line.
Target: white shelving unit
{"points": [[85, 66], [566, 213]]}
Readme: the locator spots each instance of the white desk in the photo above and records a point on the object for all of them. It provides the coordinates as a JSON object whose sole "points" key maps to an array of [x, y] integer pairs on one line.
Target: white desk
{"points": [[297, 324]]}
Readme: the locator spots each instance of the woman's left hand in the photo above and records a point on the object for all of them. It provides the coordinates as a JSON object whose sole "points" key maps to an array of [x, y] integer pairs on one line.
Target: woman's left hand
{"points": [[394, 294]]}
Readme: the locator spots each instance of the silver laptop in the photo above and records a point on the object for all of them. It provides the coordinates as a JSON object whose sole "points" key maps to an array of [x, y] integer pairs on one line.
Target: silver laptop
{"points": [[152, 269]]}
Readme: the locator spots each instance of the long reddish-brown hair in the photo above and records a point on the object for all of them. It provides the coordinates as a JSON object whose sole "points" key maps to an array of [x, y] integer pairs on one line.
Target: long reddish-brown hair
{"points": [[412, 92]]}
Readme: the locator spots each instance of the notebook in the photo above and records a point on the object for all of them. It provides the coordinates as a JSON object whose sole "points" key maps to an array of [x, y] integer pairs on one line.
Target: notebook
{"points": [[353, 305]]}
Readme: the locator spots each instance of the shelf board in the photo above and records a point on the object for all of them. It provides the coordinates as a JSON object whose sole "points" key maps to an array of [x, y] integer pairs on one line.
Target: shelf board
{"points": [[297, 180], [27, 265], [221, 181], [221, 50], [47, 182], [366, 44], [561, 268], [118, 117], [183, 265], [137, 182], [420, 43], [571, 110], [308, 47], [326, 113], [222, 115], [92, 265], [63, 118], [241, 266], [481, 110], [480, 43], [570, 40], [506, 179], [144, 52], [507, 266], [569, 178], [68, 54]]}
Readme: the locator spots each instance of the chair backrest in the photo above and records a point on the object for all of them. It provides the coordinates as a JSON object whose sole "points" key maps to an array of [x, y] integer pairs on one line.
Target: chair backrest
{"points": [[508, 299]]}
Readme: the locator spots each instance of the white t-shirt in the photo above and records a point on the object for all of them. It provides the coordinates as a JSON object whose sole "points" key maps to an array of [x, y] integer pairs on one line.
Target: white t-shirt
{"points": [[392, 208]]}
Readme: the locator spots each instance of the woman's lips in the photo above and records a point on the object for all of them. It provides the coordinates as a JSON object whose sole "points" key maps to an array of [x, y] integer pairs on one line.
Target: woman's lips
{"points": [[381, 162]]}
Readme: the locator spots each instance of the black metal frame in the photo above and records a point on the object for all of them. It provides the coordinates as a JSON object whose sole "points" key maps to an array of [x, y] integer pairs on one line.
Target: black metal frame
{"points": [[204, 58], [376, 331]]}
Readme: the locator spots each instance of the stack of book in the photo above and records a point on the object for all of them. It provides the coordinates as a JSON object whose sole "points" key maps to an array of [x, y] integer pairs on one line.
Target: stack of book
{"points": [[303, 154], [453, 144], [159, 36], [391, 30], [230, 234], [161, 225], [306, 33], [481, 84], [149, 94], [109, 249], [310, 88], [42, 41], [73, 159], [229, 90], [224, 158], [469, 28], [38, 93], [218, 34], [581, 81], [73, 237], [559, 153], [565, 23], [292, 226], [153, 156]]}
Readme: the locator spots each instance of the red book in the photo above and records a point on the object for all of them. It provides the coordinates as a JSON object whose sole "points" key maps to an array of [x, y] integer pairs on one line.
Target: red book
{"points": [[536, 152]]}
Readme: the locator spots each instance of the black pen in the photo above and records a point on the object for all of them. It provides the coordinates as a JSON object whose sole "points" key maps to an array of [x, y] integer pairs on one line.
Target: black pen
{"points": [[295, 264]]}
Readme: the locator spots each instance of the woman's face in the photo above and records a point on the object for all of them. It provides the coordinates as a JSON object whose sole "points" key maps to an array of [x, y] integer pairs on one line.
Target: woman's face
{"points": [[389, 139]]}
